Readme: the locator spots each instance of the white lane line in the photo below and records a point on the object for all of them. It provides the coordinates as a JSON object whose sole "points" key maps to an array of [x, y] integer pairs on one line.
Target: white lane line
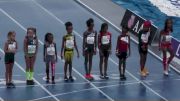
{"points": [[79, 1], [1, 99], [58, 58], [63, 61], [50, 13], [12, 1], [55, 17], [113, 25], [18, 65], [77, 91]]}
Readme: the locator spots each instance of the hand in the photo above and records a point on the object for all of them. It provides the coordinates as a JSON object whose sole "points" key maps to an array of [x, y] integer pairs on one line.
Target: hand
{"points": [[62, 57]]}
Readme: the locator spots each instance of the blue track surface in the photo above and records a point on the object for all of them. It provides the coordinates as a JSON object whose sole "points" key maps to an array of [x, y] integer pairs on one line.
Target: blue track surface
{"points": [[49, 16]]}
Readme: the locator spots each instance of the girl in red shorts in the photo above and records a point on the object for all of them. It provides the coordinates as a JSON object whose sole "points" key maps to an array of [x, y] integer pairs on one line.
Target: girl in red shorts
{"points": [[165, 44]]}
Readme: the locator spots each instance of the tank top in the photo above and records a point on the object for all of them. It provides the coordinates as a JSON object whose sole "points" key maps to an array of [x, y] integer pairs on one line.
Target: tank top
{"points": [[31, 45], [12, 45], [50, 49], [105, 40], [166, 37], [123, 43], [69, 42]]}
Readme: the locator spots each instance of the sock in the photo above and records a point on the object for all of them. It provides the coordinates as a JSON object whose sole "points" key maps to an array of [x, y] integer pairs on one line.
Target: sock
{"points": [[31, 75], [27, 75]]}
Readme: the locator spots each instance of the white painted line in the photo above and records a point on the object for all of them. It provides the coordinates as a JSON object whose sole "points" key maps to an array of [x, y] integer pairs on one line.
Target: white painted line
{"points": [[3, 81], [77, 91], [135, 42], [58, 79], [43, 74], [60, 58], [12, 1], [151, 52], [1, 99], [110, 58], [18, 65], [57, 84]]}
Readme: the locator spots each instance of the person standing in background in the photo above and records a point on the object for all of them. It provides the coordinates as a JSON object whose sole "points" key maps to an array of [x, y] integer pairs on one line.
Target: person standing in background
{"points": [[165, 44], [89, 47]]}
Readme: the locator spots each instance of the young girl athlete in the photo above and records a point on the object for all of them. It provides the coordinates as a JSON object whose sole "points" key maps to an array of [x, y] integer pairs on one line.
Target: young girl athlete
{"points": [[10, 49], [30, 50], [165, 44], [50, 56], [89, 47], [68, 45], [104, 45], [144, 36], [122, 49]]}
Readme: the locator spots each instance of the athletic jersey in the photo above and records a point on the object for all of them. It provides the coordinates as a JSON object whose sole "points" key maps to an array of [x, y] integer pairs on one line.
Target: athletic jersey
{"points": [[144, 38], [104, 40], [69, 42], [50, 49], [123, 43], [166, 37], [12, 45], [90, 38], [31, 45]]}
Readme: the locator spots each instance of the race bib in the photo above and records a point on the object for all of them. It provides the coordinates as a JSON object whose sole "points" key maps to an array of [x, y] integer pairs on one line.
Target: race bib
{"points": [[125, 39], [70, 43], [168, 38], [105, 39], [31, 49], [51, 50], [145, 37], [12, 46], [90, 39]]}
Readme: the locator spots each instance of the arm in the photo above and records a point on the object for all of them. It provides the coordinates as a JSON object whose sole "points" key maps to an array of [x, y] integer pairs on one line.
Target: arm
{"points": [[99, 41], [55, 51], [139, 37], [110, 43], [160, 36], [83, 45], [76, 47], [25, 46], [129, 45], [62, 48], [117, 45], [16, 47], [6, 48], [44, 52], [37, 45], [95, 44]]}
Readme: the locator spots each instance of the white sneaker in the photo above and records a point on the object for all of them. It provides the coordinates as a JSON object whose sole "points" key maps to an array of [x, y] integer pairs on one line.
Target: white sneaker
{"points": [[166, 73]]}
